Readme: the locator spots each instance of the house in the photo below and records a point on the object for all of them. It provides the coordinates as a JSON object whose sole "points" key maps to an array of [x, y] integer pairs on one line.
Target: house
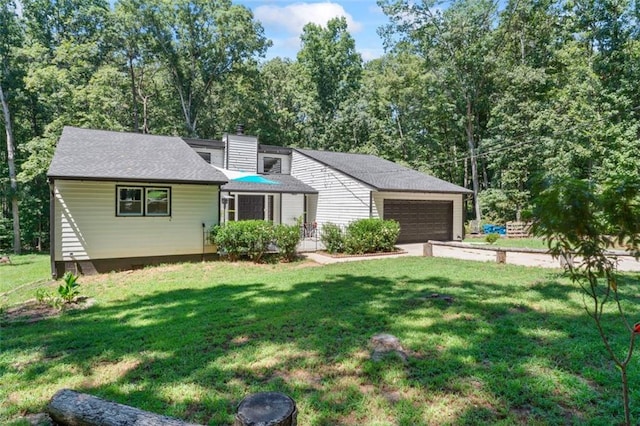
{"points": [[122, 200], [322, 186], [119, 200]]}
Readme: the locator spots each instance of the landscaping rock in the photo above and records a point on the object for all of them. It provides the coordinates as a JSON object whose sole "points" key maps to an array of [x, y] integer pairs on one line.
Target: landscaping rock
{"points": [[385, 344]]}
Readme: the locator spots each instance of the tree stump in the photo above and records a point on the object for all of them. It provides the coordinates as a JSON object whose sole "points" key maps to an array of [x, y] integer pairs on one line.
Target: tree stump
{"points": [[427, 250], [71, 408], [267, 409], [501, 256]]}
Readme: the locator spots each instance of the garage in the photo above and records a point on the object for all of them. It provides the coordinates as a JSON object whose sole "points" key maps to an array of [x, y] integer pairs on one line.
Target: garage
{"points": [[421, 220]]}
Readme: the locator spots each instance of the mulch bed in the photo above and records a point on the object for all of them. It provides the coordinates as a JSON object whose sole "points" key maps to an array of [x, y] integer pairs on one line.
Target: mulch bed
{"points": [[343, 255], [34, 311]]}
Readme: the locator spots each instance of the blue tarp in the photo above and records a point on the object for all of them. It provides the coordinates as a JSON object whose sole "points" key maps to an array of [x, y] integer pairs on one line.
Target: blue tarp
{"points": [[494, 229], [255, 179]]}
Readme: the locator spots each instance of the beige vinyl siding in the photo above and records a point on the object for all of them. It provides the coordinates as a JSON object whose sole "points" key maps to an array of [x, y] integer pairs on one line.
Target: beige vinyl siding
{"points": [[341, 199], [242, 153], [86, 225], [292, 208], [379, 198]]}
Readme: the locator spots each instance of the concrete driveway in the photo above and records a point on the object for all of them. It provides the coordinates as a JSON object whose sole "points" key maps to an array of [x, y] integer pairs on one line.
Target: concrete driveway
{"points": [[464, 252]]}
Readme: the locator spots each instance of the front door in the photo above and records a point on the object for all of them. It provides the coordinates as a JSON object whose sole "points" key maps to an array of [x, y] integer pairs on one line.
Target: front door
{"points": [[250, 207]]}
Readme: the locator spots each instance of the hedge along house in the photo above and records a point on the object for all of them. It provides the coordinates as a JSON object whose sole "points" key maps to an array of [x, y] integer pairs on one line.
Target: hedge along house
{"points": [[122, 200], [355, 186]]}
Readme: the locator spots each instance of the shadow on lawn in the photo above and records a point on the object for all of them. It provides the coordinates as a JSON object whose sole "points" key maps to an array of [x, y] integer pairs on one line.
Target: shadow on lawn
{"points": [[195, 353]]}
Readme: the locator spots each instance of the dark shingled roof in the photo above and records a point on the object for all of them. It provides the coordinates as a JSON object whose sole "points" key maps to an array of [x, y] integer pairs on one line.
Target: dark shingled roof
{"points": [[286, 184], [382, 175], [106, 155]]}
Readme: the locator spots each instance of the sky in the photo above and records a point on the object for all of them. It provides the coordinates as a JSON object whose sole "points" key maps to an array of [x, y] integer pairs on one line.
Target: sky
{"points": [[283, 21]]}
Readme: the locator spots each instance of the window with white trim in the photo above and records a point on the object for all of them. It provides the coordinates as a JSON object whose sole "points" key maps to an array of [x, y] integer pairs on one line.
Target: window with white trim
{"points": [[143, 201], [157, 201], [129, 201]]}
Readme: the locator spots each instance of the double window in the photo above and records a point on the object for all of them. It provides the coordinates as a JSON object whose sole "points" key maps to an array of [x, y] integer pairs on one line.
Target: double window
{"points": [[143, 201]]}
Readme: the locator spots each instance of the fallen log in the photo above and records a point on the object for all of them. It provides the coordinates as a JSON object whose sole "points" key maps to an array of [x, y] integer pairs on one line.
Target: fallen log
{"points": [[71, 408]]}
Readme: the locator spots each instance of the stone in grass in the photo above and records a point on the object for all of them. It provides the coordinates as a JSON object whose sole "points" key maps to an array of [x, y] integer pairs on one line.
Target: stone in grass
{"points": [[386, 344], [39, 419]]}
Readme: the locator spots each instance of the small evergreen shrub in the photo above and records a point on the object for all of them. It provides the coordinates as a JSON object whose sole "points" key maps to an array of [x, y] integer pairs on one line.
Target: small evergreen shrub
{"points": [[287, 238], [371, 236], [492, 238], [332, 238], [249, 238]]}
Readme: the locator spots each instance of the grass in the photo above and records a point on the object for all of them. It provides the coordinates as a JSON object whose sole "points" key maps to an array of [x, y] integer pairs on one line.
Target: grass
{"points": [[512, 345], [532, 243], [23, 271]]}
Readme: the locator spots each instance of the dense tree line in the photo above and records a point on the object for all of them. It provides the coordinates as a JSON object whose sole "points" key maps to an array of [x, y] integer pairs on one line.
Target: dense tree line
{"points": [[499, 101]]}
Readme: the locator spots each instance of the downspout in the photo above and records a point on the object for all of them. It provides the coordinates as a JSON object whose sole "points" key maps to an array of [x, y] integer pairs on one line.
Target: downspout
{"points": [[204, 239], [370, 204], [220, 211], [52, 228]]}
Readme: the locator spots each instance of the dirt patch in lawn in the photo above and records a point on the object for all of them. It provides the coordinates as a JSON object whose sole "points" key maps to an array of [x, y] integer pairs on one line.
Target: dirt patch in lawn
{"points": [[33, 311]]}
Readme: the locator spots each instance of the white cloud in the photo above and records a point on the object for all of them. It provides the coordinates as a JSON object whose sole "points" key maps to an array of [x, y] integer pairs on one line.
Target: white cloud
{"points": [[369, 54], [292, 18]]}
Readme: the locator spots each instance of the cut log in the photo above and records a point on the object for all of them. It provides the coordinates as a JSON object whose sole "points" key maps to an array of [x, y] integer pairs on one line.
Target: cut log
{"points": [[267, 409], [71, 408]]}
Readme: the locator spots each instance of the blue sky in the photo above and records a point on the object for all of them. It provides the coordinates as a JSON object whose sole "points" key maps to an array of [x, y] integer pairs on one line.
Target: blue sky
{"points": [[283, 21]]}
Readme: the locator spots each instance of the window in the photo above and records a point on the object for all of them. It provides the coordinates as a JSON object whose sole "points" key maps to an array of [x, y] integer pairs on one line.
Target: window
{"points": [[206, 156], [143, 201], [129, 201], [231, 212], [272, 165], [157, 201]]}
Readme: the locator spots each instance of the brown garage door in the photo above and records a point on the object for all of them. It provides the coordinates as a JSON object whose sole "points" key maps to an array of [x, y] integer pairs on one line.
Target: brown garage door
{"points": [[421, 220]]}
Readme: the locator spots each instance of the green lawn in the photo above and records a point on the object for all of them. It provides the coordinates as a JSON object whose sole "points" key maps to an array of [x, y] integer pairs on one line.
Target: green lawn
{"points": [[512, 346], [18, 277]]}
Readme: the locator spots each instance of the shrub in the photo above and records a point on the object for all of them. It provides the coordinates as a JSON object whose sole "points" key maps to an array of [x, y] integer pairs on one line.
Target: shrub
{"points": [[492, 238], [371, 236], [332, 238], [287, 238], [244, 238]]}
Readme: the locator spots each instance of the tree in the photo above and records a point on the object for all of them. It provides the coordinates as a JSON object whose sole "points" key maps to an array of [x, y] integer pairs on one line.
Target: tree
{"points": [[10, 35], [582, 219], [200, 43], [286, 103], [330, 61], [456, 44]]}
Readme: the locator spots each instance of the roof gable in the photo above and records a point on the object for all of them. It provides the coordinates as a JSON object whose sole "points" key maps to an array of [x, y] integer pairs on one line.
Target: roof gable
{"points": [[383, 175], [107, 155]]}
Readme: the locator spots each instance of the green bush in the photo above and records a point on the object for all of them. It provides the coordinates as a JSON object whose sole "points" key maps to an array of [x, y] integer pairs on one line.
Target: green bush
{"points": [[492, 238], [332, 238], [249, 238], [287, 238], [371, 236]]}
